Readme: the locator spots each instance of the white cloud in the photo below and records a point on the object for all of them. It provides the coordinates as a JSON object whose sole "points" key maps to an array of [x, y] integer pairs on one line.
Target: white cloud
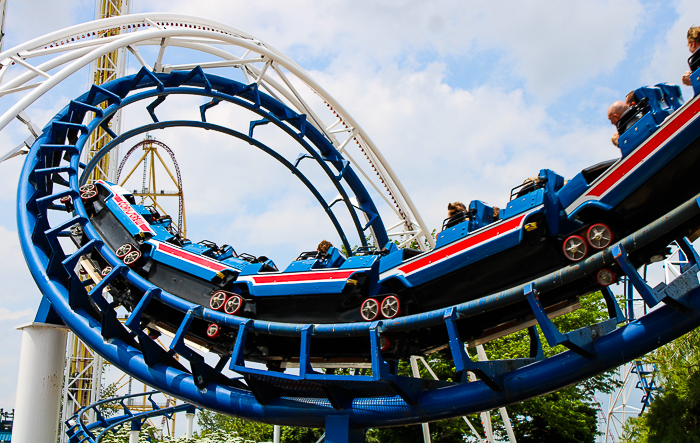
{"points": [[6, 314], [669, 61], [552, 46], [27, 19]]}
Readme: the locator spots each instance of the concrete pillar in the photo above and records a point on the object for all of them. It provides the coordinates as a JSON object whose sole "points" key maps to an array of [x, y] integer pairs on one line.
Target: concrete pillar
{"points": [[135, 431], [190, 425], [39, 384], [276, 434]]}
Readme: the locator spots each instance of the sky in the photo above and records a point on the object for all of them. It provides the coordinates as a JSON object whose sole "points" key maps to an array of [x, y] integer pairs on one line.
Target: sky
{"points": [[465, 99]]}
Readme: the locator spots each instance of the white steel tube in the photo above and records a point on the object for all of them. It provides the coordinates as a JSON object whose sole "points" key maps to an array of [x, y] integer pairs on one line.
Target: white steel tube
{"points": [[276, 434], [190, 425], [134, 436], [39, 383], [416, 374]]}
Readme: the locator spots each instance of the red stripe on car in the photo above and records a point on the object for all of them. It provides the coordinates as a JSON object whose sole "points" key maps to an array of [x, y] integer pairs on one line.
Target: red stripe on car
{"points": [[645, 151], [460, 246], [303, 277], [190, 257]]}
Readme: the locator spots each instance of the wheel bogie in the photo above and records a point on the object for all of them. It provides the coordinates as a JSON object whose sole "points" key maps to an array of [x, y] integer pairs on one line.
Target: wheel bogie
{"points": [[391, 307], [218, 300], [132, 258], [123, 250], [599, 236], [575, 248], [234, 305], [605, 277], [370, 309]]}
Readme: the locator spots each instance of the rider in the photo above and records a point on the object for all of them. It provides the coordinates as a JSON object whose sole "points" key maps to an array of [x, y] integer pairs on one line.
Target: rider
{"points": [[693, 46]]}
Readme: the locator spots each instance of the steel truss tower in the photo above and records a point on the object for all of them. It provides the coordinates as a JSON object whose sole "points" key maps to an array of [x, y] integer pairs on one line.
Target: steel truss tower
{"points": [[83, 373]]}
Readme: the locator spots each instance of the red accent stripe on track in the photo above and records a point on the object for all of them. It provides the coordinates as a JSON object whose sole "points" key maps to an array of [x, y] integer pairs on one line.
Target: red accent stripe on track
{"points": [[460, 246]]}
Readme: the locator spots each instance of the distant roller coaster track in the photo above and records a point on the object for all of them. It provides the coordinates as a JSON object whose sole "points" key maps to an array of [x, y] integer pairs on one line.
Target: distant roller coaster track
{"points": [[52, 172]]}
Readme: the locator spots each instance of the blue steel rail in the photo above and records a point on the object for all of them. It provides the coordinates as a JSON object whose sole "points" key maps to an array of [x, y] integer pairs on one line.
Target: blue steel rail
{"points": [[79, 430], [311, 398]]}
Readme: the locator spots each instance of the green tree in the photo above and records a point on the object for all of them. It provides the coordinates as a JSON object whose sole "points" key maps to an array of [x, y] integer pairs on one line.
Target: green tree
{"points": [[211, 422], [146, 435], [570, 414], [674, 416]]}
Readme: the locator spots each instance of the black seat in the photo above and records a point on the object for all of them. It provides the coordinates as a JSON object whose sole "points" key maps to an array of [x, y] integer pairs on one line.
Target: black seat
{"points": [[694, 61], [456, 219], [595, 171], [312, 255], [632, 115]]}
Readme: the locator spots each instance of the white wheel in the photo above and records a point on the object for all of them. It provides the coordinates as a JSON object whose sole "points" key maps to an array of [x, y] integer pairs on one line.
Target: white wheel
{"points": [[132, 257], [575, 248], [599, 236], [123, 250], [105, 272], [605, 277], [391, 306], [217, 301], [88, 195], [384, 343], [233, 305], [213, 330], [370, 309], [86, 188]]}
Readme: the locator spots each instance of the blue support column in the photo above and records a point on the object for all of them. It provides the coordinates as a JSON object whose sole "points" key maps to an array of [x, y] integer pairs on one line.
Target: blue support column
{"points": [[338, 430]]}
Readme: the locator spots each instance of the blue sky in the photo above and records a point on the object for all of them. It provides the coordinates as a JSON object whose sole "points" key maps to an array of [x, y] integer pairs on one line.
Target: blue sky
{"points": [[465, 100]]}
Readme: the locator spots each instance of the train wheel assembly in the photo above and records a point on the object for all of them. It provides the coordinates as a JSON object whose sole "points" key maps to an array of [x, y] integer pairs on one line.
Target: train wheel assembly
{"points": [[123, 250], [575, 248], [391, 307], [370, 309], [599, 236], [132, 257], [88, 195], [234, 305], [217, 301], [605, 277], [213, 330]]}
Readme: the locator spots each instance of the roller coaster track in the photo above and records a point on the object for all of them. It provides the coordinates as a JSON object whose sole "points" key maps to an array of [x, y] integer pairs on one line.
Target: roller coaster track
{"points": [[79, 429], [52, 172], [64, 52]]}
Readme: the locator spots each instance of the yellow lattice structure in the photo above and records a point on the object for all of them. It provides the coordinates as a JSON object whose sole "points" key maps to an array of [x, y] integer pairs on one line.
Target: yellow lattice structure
{"points": [[105, 69]]}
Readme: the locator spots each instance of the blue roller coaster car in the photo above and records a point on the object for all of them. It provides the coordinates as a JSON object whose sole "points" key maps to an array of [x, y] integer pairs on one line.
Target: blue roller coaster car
{"points": [[548, 224]]}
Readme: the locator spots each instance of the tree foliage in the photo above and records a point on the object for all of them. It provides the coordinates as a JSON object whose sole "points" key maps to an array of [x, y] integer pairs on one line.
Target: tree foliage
{"points": [[674, 416], [211, 422], [570, 414]]}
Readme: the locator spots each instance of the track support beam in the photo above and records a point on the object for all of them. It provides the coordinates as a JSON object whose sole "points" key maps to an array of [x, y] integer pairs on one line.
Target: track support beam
{"points": [[338, 430], [670, 295]]}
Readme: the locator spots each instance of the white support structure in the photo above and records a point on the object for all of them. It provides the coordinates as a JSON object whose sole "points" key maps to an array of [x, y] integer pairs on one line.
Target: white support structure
{"points": [[276, 434], [625, 401], [38, 399], [62, 53], [3, 9], [485, 416], [82, 379], [190, 425]]}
